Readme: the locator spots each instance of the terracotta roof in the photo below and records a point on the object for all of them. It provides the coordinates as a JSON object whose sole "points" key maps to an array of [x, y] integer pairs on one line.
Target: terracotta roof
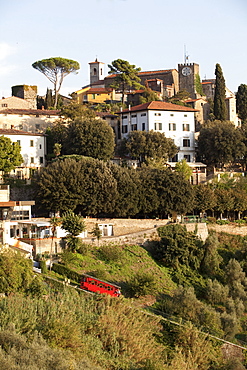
{"points": [[136, 92], [146, 72], [159, 105], [154, 72], [154, 79], [41, 112], [17, 132], [15, 98], [96, 61], [209, 81], [101, 90]]}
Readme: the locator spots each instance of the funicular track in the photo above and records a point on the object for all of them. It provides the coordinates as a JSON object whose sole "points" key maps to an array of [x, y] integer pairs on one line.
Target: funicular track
{"points": [[156, 313]]}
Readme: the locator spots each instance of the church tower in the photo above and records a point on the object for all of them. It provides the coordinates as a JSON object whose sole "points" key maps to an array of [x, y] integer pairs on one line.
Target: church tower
{"points": [[187, 75], [96, 71]]}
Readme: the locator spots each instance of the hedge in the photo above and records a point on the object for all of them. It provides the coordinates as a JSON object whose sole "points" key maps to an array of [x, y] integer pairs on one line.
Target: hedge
{"points": [[65, 271]]}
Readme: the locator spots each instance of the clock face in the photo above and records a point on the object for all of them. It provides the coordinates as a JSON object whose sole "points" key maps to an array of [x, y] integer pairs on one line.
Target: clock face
{"points": [[186, 71]]}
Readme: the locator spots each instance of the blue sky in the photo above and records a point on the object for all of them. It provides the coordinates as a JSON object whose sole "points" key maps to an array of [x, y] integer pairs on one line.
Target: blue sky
{"points": [[150, 34]]}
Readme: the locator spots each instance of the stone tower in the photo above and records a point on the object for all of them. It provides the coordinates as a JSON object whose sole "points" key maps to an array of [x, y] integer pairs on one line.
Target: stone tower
{"points": [[96, 71], [29, 93], [187, 74]]}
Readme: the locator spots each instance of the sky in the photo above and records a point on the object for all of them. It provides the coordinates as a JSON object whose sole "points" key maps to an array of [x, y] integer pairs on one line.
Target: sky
{"points": [[152, 35]]}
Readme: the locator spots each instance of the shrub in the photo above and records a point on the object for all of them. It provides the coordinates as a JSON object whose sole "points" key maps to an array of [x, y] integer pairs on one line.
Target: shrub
{"points": [[141, 284], [240, 222], [110, 253], [211, 220], [43, 267], [222, 222]]}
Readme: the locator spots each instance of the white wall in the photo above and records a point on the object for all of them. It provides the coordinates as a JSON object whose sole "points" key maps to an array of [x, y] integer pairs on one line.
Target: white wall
{"points": [[27, 122], [33, 148], [164, 121]]}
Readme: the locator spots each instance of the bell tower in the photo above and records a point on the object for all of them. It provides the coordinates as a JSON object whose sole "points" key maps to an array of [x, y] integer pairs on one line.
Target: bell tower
{"points": [[96, 71]]}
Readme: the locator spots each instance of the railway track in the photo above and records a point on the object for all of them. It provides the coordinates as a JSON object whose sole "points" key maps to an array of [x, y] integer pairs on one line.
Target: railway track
{"points": [[153, 312]]}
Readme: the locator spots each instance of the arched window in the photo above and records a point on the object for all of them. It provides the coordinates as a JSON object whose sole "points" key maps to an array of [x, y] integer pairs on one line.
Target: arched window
{"points": [[94, 71]]}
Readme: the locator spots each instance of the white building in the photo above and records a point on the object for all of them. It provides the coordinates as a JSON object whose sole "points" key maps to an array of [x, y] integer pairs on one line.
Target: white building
{"points": [[33, 151], [31, 120], [175, 121]]}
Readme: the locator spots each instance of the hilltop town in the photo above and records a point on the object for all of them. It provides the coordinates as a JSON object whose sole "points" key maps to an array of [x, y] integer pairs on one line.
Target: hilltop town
{"points": [[123, 216]]}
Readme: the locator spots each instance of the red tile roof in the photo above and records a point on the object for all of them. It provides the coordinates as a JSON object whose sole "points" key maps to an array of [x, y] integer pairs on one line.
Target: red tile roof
{"points": [[146, 72], [159, 105], [101, 90], [18, 132], [41, 112]]}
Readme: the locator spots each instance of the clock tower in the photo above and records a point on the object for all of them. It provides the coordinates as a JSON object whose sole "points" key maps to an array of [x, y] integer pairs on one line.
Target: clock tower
{"points": [[187, 74]]}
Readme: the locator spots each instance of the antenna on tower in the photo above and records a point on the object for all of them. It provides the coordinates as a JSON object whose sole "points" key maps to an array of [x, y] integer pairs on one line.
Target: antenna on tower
{"points": [[186, 56]]}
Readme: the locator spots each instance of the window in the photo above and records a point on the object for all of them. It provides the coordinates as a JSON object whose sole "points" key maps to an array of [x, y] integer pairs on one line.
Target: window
{"points": [[32, 160], [187, 157], [31, 142], [158, 126], [172, 126], [186, 143], [41, 160], [143, 126], [134, 127], [185, 115], [124, 129], [124, 117], [171, 115], [157, 114], [186, 127], [133, 115], [40, 146], [94, 71], [174, 159], [93, 96], [37, 126], [143, 114], [4, 105], [37, 115], [18, 142]]}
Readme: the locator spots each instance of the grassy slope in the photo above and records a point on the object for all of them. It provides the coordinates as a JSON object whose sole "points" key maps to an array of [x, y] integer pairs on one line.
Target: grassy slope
{"points": [[119, 264]]}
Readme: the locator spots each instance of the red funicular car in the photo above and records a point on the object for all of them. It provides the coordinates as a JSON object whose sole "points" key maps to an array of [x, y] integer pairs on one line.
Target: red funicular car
{"points": [[93, 284]]}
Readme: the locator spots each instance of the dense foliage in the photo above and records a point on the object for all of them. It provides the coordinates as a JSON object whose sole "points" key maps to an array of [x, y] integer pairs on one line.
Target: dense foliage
{"points": [[93, 187], [10, 154], [54, 332], [144, 145], [90, 137], [241, 97], [220, 143]]}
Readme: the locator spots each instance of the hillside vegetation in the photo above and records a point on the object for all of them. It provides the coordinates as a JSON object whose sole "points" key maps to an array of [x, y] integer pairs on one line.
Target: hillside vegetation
{"points": [[48, 325]]}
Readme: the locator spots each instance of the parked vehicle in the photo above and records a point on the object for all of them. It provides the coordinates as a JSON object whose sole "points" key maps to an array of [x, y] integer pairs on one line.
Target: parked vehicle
{"points": [[95, 285]]}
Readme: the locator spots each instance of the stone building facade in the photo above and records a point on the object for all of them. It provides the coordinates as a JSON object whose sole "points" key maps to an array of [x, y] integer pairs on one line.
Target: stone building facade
{"points": [[29, 93]]}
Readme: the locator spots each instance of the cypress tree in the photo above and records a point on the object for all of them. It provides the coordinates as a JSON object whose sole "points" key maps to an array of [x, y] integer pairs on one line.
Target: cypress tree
{"points": [[242, 102], [48, 99], [220, 112]]}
